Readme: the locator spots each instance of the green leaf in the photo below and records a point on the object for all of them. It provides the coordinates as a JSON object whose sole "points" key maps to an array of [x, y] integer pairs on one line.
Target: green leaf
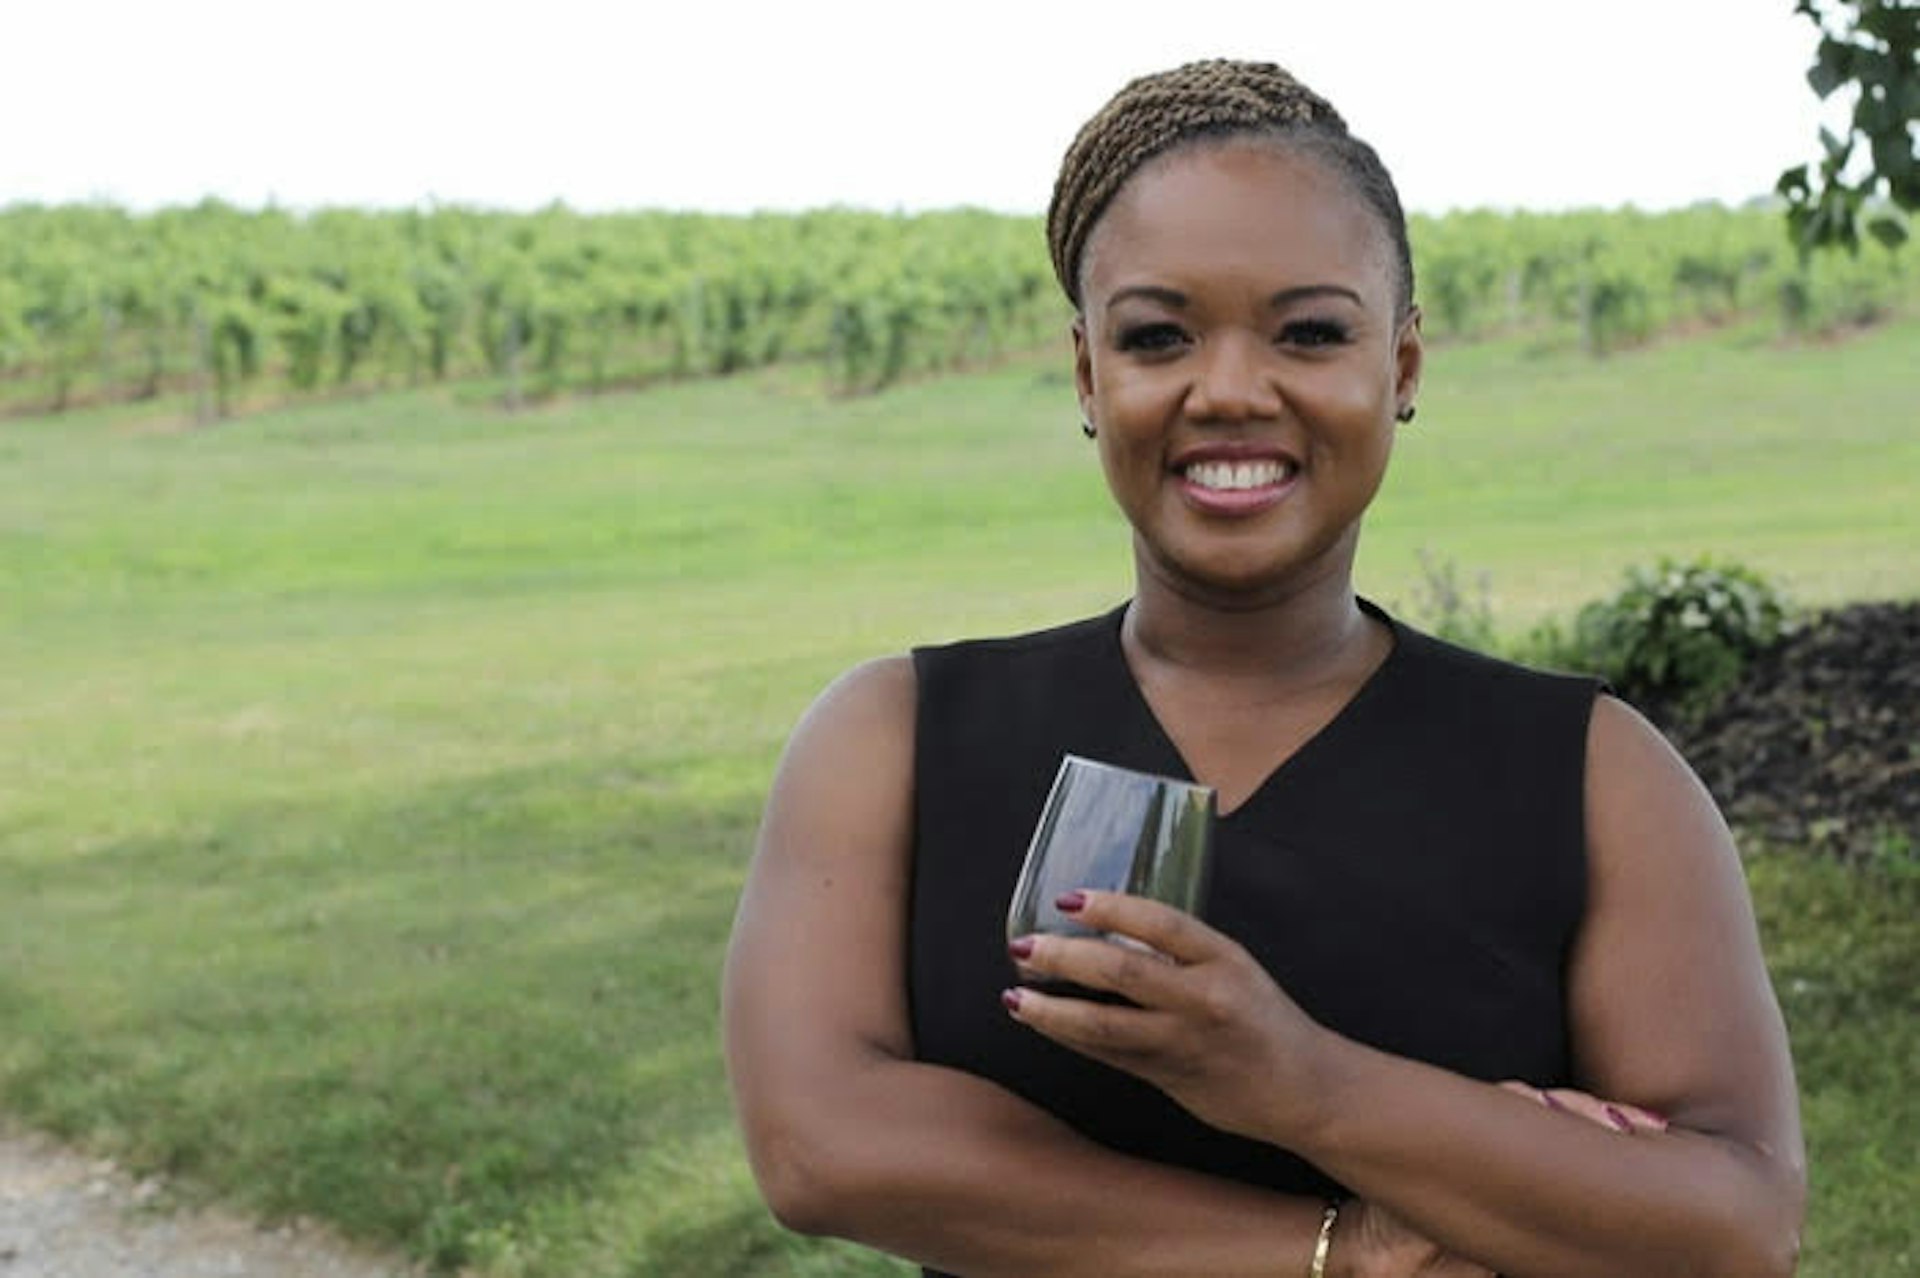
{"points": [[1876, 115], [1894, 24], [1893, 157], [1832, 67], [1794, 183], [1830, 222], [1873, 69], [1891, 232], [1837, 149], [1800, 227], [1907, 193]]}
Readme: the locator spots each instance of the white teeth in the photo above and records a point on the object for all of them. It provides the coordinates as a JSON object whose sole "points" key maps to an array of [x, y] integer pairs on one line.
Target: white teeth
{"points": [[1236, 476]]}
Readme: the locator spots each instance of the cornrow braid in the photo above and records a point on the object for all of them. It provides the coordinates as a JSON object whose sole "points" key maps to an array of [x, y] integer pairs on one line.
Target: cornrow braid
{"points": [[1217, 98]]}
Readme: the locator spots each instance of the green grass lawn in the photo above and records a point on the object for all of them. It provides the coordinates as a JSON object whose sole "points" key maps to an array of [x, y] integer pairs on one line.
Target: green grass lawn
{"points": [[376, 777]]}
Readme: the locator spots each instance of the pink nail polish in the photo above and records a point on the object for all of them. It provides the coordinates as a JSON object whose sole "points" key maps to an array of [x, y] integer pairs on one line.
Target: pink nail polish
{"points": [[1021, 947], [1619, 1119], [1010, 999], [1071, 902]]}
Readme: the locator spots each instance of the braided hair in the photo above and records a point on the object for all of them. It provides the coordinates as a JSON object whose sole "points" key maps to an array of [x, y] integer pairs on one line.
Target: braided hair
{"points": [[1213, 99]]}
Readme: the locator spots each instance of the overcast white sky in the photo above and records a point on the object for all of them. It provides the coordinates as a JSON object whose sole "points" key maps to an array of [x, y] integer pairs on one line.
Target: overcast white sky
{"points": [[733, 106]]}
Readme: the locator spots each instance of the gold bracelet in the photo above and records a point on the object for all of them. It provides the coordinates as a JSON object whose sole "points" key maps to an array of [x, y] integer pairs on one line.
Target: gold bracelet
{"points": [[1324, 1244]]}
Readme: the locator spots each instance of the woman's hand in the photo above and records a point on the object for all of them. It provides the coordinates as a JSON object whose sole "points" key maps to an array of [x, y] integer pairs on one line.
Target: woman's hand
{"points": [[1371, 1242], [1621, 1117], [1212, 1030], [1208, 1027]]}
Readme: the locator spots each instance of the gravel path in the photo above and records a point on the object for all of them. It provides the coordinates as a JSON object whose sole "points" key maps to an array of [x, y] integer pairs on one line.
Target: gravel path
{"points": [[63, 1215]]}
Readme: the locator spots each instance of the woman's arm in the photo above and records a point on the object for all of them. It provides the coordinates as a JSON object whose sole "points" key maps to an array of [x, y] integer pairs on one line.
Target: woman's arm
{"points": [[1671, 1010], [849, 1135]]}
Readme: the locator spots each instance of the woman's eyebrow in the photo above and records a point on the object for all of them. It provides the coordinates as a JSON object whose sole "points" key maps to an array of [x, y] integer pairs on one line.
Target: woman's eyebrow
{"points": [[1306, 292], [1174, 298], [1149, 292]]}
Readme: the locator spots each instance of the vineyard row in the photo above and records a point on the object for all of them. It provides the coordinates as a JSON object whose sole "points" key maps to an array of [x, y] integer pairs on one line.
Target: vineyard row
{"points": [[97, 303]]}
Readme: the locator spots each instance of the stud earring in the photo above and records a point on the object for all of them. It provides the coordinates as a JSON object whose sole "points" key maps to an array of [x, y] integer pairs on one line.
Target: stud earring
{"points": [[1405, 414], [1087, 428]]}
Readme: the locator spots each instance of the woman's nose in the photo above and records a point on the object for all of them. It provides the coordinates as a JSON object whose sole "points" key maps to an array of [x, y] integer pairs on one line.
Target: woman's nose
{"points": [[1233, 382]]}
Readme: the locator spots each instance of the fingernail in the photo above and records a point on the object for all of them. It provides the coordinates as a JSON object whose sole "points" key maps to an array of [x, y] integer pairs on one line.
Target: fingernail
{"points": [[1618, 1119], [1071, 902], [1548, 1100], [1010, 999], [1021, 947]]}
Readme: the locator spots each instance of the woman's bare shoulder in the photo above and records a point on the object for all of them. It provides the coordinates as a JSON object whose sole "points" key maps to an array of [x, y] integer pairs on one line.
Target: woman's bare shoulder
{"points": [[815, 965], [845, 781], [1654, 833], [879, 685], [1635, 777], [864, 719], [1671, 1001]]}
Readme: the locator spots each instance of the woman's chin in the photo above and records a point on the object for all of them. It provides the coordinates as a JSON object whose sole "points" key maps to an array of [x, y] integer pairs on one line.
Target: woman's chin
{"points": [[1240, 572], [1230, 582]]}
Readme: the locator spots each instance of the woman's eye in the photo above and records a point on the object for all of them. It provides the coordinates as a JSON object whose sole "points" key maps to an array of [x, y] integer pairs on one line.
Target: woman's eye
{"points": [[1152, 337], [1314, 332]]}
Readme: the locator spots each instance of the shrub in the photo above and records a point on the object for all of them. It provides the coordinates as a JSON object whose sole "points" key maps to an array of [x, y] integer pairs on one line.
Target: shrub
{"points": [[1678, 634], [1449, 609]]}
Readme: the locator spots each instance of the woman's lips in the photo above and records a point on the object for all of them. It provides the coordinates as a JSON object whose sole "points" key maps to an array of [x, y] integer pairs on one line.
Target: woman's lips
{"points": [[1237, 486]]}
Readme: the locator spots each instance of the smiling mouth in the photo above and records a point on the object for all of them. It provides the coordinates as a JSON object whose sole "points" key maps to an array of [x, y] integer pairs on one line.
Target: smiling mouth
{"points": [[1239, 476]]}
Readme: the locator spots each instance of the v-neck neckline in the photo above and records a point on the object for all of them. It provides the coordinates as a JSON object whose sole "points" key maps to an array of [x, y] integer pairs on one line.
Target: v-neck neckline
{"points": [[1174, 763]]}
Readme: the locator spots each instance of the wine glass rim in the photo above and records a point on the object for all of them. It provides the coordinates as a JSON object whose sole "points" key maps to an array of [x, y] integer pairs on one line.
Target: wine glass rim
{"points": [[1070, 759]]}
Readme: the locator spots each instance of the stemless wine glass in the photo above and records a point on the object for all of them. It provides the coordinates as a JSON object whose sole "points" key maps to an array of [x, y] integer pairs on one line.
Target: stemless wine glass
{"points": [[1113, 829]]}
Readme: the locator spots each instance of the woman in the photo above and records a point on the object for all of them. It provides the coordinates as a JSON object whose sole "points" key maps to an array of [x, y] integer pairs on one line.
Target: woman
{"points": [[1455, 905]]}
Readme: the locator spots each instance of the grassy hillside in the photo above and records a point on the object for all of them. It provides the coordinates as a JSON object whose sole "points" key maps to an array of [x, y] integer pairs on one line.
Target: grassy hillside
{"points": [[376, 777]]}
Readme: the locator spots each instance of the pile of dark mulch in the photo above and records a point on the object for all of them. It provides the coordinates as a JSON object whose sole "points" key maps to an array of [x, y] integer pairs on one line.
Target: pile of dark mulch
{"points": [[1818, 745]]}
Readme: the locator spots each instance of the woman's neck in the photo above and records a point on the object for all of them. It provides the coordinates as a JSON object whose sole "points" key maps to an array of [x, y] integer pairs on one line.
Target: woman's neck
{"points": [[1303, 634]]}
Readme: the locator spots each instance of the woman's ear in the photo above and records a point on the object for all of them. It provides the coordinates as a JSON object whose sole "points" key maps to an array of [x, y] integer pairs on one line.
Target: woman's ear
{"points": [[1409, 357], [1083, 368]]}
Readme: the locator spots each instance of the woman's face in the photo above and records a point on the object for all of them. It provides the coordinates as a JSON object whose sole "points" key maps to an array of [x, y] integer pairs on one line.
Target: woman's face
{"points": [[1239, 353]]}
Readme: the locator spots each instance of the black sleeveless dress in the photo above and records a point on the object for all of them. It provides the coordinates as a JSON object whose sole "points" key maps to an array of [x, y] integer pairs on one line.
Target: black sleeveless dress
{"points": [[1413, 875]]}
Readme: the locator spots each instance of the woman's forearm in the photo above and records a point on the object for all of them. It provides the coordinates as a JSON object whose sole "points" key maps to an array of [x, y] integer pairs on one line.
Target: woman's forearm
{"points": [[954, 1172], [1532, 1193], [1490, 1176]]}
